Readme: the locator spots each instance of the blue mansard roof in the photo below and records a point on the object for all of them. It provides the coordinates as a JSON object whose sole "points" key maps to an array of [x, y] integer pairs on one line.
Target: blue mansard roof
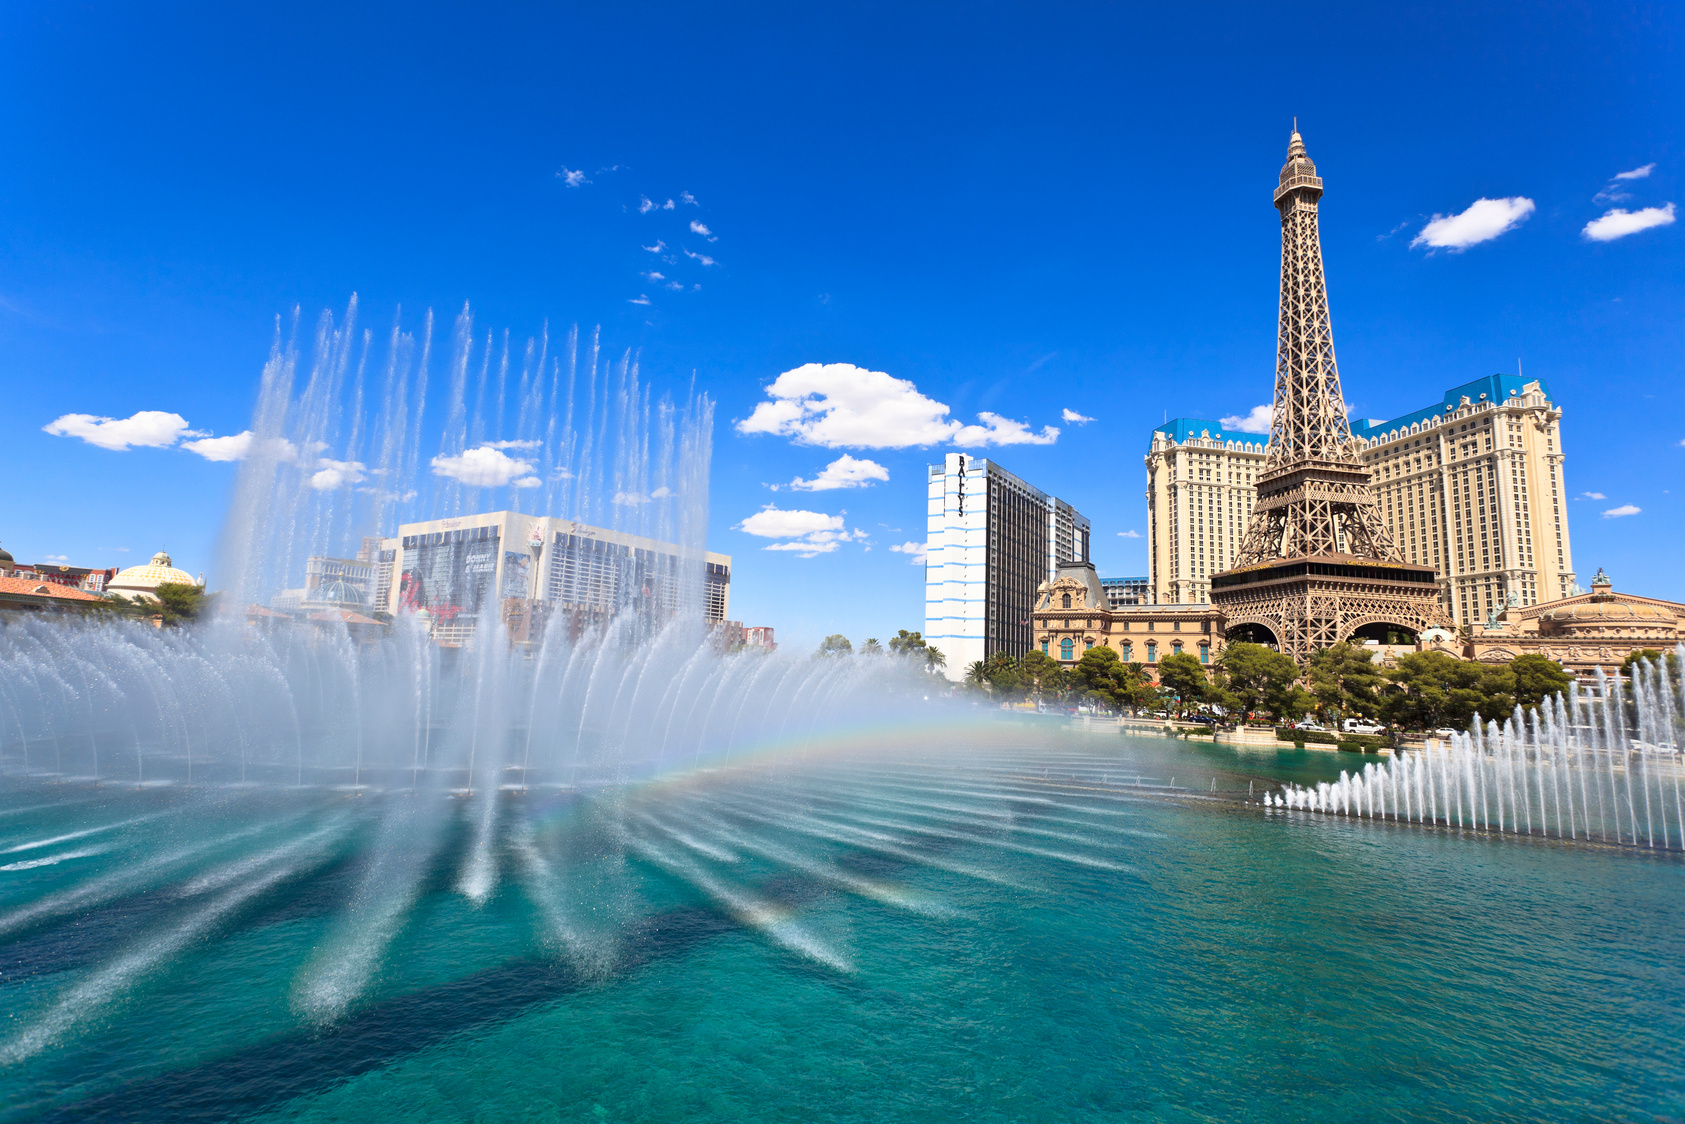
{"points": [[1181, 430], [1492, 388]]}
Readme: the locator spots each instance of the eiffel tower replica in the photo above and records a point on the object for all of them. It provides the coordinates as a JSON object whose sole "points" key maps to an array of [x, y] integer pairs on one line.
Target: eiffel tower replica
{"points": [[1317, 564]]}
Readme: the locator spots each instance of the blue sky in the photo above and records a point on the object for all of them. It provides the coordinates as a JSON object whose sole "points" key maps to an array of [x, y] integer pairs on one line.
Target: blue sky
{"points": [[1018, 209]]}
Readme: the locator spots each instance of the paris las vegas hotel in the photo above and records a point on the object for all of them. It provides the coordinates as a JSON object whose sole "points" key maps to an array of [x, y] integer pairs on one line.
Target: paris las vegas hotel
{"points": [[1471, 485]]}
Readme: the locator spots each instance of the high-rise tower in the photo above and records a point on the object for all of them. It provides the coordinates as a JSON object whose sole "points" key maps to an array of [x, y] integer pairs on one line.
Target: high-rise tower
{"points": [[1317, 565]]}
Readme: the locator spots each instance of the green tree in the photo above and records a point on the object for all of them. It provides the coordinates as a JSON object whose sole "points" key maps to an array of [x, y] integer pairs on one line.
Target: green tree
{"points": [[1260, 679], [177, 603], [836, 644], [871, 647], [1345, 681], [977, 675], [1537, 678], [934, 660], [1432, 689], [905, 643], [1183, 677], [1042, 675], [1104, 677]]}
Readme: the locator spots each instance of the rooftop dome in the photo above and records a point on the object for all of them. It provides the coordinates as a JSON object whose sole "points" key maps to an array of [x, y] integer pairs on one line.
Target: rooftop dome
{"points": [[143, 581], [338, 592], [1607, 612]]}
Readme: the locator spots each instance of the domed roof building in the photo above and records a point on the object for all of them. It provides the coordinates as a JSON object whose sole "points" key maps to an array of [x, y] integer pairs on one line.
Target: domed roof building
{"points": [[142, 582], [1583, 632], [335, 594]]}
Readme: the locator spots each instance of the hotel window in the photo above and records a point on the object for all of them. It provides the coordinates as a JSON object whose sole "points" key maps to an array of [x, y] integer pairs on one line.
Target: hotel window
{"points": [[1152, 651], [1067, 603], [1044, 646], [1087, 644], [1065, 648], [1205, 653], [1125, 653]]}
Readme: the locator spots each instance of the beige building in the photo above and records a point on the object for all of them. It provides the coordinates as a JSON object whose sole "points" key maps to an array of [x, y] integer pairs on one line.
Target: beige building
{"points": [[1200, 492], [1073, 614], [1582, 633], [1472, 486]]}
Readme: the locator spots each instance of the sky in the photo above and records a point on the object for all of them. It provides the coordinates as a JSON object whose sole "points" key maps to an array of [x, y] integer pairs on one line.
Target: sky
{"points": [[880, 232]]}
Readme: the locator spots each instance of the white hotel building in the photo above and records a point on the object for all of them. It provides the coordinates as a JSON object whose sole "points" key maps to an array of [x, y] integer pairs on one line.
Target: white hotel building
{"points": [[992, 539]]}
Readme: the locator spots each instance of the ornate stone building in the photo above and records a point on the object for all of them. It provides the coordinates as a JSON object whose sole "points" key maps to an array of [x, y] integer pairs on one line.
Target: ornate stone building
{"points": [[1201, 486], [1472, 486], [1582, 633], [1072, 615], [1317, 564]]}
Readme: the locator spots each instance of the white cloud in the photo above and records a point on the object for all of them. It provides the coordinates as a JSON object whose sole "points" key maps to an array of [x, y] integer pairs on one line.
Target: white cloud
{"points": [[573, 177], [997, 430], [703, 258], [811, 532], [1129, 534], [646, 205], [1258, 421], [533, 444], [337, 474], [655, 249], [1618, 223], [486, 467], [639, 299], [654, 276], [146, 429], [839, 405], [1624, 509], [1075, 418], [633, 499], [1636, 173], [1597, 495], [231, 448], [844, 472], [687, 197], [1483, 221], [918, 552], [676, 286], [702, 229], [58, 558]]}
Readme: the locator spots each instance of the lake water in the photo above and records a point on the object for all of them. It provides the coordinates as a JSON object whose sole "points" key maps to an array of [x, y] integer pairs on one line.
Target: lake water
{"points": [[1001, 921]]}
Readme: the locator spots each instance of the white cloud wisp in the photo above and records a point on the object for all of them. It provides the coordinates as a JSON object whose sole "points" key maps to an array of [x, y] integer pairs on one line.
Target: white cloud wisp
{"points": [[844, 472], [1484, 220], [145, 429], [1257, 421], [1636, 173], [839, 405], [918, 553], [810, 533], [486, 467], [1623, 510], [1074, 418], [1618, 223]]}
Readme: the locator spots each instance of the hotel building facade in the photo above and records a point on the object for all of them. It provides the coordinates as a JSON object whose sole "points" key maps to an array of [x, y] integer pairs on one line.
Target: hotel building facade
{"points": [[1200, 492], [1473, 487], [992, 541], [461, 568]]}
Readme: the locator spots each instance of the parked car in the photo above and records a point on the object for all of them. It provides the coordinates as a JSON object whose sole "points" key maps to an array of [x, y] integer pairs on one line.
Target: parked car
{"points": [[1361, 726], [1307, 724], [1445, 732]]}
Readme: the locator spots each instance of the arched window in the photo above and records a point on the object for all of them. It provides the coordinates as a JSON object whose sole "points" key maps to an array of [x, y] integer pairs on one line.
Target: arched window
{"points": [[1152, 651], [1067, 601], [1065, 648]]}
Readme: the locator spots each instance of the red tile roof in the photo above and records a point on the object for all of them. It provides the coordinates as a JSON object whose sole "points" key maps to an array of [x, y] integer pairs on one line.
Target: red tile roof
{"points": [[12, 588]]}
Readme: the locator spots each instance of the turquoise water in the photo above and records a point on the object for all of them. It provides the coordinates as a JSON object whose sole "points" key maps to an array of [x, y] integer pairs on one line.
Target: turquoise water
{"points": [[1019, 925]]}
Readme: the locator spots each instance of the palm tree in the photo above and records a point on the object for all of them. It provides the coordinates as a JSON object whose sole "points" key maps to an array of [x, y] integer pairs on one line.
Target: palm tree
{"points": [[871, 647], [933, 659], [977, 675]]}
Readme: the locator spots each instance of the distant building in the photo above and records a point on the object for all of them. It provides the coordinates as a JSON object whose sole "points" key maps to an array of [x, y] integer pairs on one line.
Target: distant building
{"points": [[76, 577], [1073, 614], [1126, 591], [1200, 493], [334, 580], [1584, 632], [1472, 486], [33, 594], [759, 636], [462, 568], [140, 583], [992, 539]]}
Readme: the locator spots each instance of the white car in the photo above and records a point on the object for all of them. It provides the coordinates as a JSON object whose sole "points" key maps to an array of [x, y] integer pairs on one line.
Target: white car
{"points": [[1307, 724], [1360, 726]]}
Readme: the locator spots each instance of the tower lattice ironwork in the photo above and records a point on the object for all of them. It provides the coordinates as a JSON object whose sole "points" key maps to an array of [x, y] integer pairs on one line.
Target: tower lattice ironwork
{"points": [[1317, 563]]}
